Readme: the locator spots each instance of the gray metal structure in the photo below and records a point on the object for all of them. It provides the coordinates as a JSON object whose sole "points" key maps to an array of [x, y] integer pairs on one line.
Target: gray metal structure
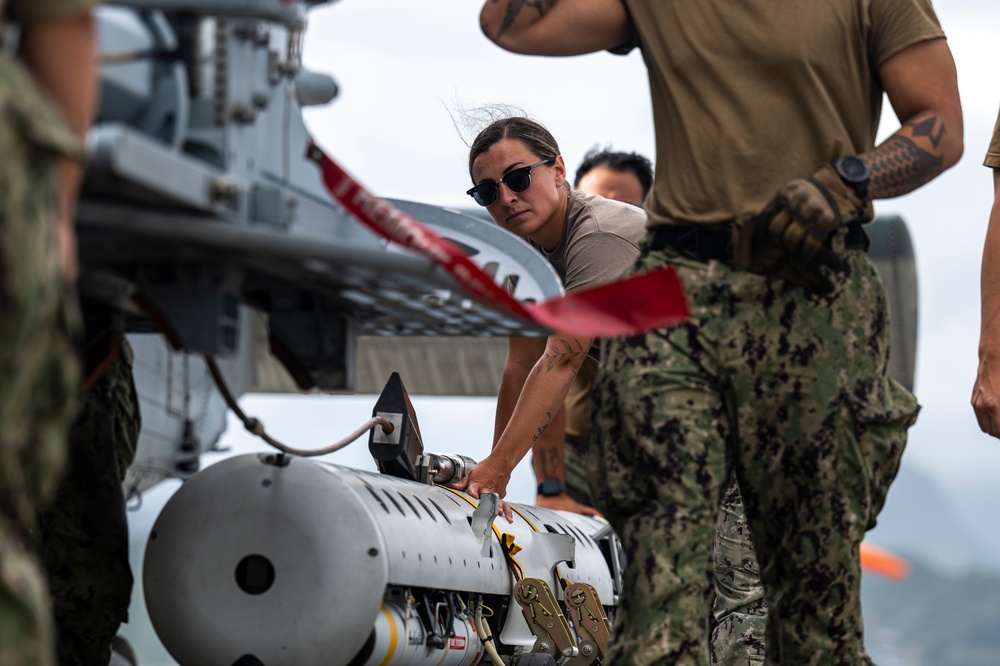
{"points": [[201, 217], [202, 220]]}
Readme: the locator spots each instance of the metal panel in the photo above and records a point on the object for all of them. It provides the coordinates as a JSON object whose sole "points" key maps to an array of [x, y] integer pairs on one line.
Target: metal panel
{"points": [[427, 530]]}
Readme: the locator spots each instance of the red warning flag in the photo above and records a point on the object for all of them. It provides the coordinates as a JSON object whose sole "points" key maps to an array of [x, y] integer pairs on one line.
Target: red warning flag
{"points": [[632, 305]]}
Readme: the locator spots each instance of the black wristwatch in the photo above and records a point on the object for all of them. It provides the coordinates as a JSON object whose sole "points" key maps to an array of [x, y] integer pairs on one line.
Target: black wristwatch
{"points": [[550, 487], [855, 172]]}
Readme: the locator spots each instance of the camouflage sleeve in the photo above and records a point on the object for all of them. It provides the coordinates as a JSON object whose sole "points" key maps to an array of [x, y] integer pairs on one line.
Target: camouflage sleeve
{"points": [[33, 12]]}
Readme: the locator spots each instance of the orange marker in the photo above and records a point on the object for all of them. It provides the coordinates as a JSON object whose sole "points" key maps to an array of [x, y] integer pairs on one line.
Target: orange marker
{"points": [[882, 562]]}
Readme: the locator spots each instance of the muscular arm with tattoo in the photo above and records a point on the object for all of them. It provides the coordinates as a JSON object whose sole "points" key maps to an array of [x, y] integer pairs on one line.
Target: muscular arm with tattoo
{"points": [[548, 459], [522, 354], [526, 410], [923, 89], [556, 27]]}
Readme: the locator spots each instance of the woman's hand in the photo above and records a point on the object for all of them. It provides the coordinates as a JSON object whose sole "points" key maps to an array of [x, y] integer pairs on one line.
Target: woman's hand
{"points": [[488, 476]]}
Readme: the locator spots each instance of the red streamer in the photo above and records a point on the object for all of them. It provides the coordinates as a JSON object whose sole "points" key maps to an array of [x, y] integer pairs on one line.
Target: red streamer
{"points": [[629, 306]]}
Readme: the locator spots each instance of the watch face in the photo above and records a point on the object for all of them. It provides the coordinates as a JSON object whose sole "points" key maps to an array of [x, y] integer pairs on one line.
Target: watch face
{"points": [[852, 168]]}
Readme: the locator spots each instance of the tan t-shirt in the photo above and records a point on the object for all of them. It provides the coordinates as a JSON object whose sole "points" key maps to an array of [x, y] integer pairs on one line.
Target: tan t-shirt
{"points": [[750, 94], [600, 242], [993, 152]]}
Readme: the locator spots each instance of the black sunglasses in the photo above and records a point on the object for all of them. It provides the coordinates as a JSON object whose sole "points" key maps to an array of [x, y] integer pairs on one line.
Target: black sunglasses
{"points": [[517, 181]]}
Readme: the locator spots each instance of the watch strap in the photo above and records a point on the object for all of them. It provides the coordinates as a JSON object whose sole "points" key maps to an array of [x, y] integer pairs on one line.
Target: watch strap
{"points": [[550, 487]]}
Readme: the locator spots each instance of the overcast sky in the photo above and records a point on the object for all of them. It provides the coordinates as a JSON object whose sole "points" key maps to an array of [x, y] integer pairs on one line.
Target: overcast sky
{"points": [[406, 69]]}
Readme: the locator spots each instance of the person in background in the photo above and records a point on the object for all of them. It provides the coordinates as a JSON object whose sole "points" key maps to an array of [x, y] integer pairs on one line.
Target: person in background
{"points": [[765, 117], [615, 175], [48, 93], [558, 461], [83, 533], [986, 391]]}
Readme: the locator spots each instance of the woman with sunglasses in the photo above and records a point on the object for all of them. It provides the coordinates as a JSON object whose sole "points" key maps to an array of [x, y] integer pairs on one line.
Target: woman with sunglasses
{"points": [[520, 178]]}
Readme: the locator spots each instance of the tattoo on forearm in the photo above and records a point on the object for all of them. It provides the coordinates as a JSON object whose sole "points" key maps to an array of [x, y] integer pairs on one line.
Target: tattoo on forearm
{"points": [[561, 351], [514, 8], [928, 127], [542, 428], [908, 159], [551, 464]]}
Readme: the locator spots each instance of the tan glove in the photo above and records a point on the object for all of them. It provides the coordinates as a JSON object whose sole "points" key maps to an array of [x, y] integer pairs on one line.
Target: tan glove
{"points": [[788, 237]]}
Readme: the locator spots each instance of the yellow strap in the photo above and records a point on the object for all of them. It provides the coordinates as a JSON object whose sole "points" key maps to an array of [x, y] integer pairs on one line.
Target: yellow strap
{"points": [[512, 549], [509, 546], [516, 567]]}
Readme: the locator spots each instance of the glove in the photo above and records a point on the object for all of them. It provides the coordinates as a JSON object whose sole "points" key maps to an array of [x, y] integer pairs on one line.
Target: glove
{"points": [[788, 238]]}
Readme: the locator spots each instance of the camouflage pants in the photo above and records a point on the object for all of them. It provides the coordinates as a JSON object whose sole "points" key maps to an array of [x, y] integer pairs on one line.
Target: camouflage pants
{"points": [[739, 609], [789, 390], [84, 532], [39, 323], [740, 612]]}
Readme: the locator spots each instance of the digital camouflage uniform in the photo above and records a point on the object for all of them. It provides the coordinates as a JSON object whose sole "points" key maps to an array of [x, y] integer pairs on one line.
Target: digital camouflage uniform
{"points": [[739, 608], [783, 387], [795, 384], [39, 322], [84, 532]]}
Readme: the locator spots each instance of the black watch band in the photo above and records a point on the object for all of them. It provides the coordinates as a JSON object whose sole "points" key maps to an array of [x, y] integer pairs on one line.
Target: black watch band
{"points": [[550, 487], [855, 172]]}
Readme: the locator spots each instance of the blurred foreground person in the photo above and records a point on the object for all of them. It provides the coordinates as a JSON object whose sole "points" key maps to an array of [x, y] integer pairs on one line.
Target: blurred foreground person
{"points": [[83, 533], [47, 95], [765, 116]]}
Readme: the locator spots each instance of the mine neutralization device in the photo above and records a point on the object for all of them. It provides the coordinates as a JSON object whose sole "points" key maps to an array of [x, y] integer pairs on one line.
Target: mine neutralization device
{"points": [[275, 559]]}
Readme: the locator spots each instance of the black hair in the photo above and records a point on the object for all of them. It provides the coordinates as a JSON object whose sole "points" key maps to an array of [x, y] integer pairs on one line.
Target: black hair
{"points": [[617, 161]]}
